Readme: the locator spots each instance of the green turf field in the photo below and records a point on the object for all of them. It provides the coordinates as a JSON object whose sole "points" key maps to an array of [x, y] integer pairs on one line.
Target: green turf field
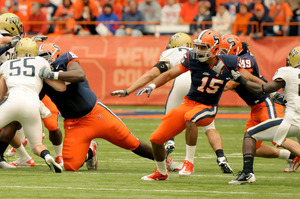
{"points": [[119, 172]]}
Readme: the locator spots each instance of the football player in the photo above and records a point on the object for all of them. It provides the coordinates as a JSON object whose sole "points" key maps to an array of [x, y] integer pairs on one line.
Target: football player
{"points": [[275, 130], [21, 81], [179, 45], [86, 118], [262, 107], [200, 104]]}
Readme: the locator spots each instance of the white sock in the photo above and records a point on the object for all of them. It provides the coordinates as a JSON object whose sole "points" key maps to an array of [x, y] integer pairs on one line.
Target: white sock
{"points": [[57, 150], [21, 135], [190, 153], [22, 153], [161, 167], [284, 154]]}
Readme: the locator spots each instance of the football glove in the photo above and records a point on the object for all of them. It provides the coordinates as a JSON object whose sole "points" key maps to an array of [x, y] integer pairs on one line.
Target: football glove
{"points": [[235, 75], [120, 93], [14, 40], [279, 99], [39, 38], [46, 73], [147, 90]]}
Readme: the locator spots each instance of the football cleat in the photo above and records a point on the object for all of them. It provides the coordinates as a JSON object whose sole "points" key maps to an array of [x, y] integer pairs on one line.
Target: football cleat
{"points": [[5, 165], [19, 162], [59, 160], [224, 165], [93, 162], [243, 178], [155, 176], [54, 167], [173, 166], [11, 151], [187, 168], [292, 165], [169, 147]]}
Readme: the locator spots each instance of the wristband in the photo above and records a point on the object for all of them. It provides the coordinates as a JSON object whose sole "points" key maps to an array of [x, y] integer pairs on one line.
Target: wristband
{"points": [[242, 80], [152, 86], [55, 75]]}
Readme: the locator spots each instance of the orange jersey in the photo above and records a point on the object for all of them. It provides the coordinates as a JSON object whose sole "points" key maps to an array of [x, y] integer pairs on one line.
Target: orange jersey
{"points": [[241, 23], [188, 12], [99, 123], [283, 12], [174, 122]]}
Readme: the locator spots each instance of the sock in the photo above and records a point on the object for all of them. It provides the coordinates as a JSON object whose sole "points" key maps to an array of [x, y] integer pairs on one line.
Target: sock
{"points": [[248, 164], [161, 167], [22, 153], [21, 135], [292, 156], [284, 154], [44, 153], [220, 153], [3, 146], [58, 150], [190, 153], [89, 155]]}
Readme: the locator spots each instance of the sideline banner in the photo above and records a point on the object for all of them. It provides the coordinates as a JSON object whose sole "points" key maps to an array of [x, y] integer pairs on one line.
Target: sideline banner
{"points": [[113, 63]]}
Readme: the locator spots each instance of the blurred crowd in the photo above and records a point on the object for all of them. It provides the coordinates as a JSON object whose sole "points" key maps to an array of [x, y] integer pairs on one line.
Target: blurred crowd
{"points": [[256, 18]]}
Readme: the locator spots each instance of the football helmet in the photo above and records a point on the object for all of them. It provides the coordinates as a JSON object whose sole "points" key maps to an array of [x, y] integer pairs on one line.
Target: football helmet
{"points": [[49, 51], [231, 45], [11, 24], [180, 40], [293, 59], [207, 45], [26, 47]]}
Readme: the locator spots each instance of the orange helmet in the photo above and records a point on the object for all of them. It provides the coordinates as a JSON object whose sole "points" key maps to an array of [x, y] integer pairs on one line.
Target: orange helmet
{"points": [[49, 51], [206, 45], [231, 45]]}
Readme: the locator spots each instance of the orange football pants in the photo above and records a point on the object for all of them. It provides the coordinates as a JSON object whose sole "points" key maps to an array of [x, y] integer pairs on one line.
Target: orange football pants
{"points": [[260, 113], [174, 122], [51, 123], [99, 123]]}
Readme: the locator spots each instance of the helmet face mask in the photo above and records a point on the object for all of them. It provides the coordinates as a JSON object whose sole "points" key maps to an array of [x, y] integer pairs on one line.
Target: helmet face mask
{"points": [[206, 46], [11, 24], [49, 51], [180, 40], [26, 47], [293, 60]]}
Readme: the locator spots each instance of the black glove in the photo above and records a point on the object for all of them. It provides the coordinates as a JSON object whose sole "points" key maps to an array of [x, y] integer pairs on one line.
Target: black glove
{"points": [[14, 40], [279, 99], [120, 93], [147, 90]]}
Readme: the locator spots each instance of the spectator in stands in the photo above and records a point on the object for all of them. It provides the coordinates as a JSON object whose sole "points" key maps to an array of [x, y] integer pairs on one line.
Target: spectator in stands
{"points": [[132, 15], [107, 16], [281, 13], [242, 19], [64, 13], [202, 16], [252, 4], [151, 10], [117, 8], [49, 9], [233, 8], [37, 15], [86, 11], [295, 7], [221, 23], [260, 16], [188, 11], [15, 8], [170, 13]]}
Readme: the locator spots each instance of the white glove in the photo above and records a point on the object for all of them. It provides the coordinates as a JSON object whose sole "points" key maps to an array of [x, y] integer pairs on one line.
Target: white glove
{"points": [[147, 90], [14, 41], [235, 75], [39, 38], [46, 73]]}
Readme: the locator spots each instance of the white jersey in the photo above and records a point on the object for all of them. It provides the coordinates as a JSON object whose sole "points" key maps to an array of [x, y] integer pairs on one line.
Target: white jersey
{"points": [[23, 104], [7, 55], [291, 76], [182, 83]]}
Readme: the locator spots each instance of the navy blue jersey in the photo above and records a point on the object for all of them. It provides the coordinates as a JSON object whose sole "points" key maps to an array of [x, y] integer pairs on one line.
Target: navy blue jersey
{"points": [[78, 100], [207, 85], [248, 62]]}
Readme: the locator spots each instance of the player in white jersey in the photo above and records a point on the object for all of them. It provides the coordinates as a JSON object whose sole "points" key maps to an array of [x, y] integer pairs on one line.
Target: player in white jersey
{"points": [[276, 130], [20, 80], [178, 45]]}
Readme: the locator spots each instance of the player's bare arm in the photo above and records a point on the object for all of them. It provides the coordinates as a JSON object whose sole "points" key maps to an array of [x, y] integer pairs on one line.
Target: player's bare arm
{"points": [[167, 76], [249, 76], [58, 85], [74, 74]]}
